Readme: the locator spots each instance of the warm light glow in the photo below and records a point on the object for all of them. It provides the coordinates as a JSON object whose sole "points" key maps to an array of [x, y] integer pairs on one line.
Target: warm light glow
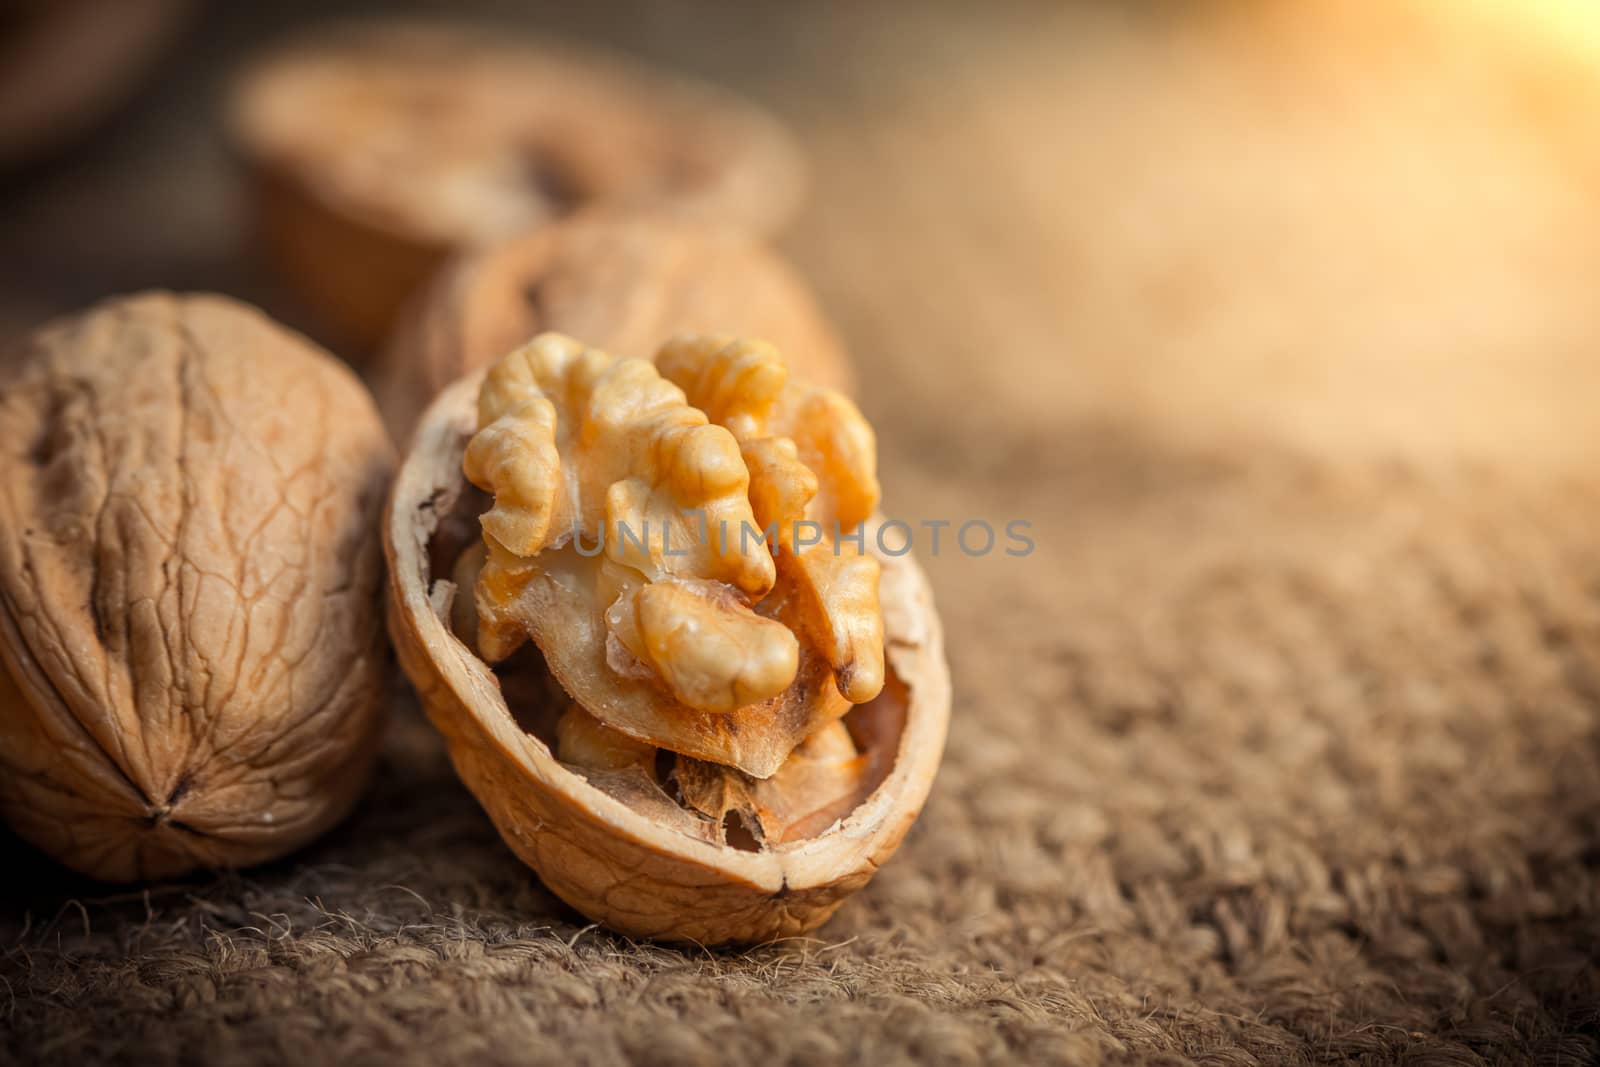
{"points": [[1574, 16], [1570, 22]]}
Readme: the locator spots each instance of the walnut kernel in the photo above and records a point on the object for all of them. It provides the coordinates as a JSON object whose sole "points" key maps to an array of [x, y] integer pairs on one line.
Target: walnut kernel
{"points": [[578, 446]]}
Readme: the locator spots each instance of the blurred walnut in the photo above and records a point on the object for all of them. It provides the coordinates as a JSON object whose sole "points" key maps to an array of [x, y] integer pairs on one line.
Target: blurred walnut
{"points": [[191, 664], [65, 65], [382, 146], [621, 284], [738, 725]]}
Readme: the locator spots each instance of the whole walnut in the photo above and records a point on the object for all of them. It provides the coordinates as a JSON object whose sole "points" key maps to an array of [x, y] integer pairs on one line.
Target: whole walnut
{"points": [[191, 655], [620, 283]]}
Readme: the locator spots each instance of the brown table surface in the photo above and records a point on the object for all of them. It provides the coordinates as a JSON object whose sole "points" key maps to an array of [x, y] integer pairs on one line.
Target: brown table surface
{"points": [[1281, 327]]}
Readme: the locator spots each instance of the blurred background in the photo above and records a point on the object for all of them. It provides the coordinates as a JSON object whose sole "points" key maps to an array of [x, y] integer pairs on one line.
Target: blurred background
{"points": [[1359, 226]]}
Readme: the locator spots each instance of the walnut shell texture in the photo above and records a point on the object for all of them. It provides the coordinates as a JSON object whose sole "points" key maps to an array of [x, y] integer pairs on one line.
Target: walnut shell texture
{"points": [[619, 284], [381, 146], [612, 861], [191, 657]]}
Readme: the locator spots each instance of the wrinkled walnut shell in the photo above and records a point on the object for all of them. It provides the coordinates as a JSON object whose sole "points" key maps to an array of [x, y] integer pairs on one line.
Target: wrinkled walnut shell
{"points": [[191, 662], [605, 858], [378, 148], [620, 284]]}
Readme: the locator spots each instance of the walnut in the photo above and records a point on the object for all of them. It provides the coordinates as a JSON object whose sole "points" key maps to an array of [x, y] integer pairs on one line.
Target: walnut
{"points": [[621, 284], [730, 740], [822, 781], [813, 458], [191, 663], [660, 619], [380, 147], [67, 64]]}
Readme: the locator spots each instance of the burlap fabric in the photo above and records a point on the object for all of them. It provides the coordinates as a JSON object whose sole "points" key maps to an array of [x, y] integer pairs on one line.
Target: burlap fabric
{"points": [[1279, 748]]}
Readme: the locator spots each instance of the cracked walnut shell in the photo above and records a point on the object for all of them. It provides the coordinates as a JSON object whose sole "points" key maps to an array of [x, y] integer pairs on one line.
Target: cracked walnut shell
{"points": [[379, 147], [191, 658], [705, 744]]}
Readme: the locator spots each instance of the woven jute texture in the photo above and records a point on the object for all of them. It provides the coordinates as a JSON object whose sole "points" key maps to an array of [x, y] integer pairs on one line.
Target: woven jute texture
{"points": [[1280, 747]]}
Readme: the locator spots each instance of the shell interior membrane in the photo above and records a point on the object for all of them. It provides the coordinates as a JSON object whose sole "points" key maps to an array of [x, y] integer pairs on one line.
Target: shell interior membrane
{"points": [[668, 535]]}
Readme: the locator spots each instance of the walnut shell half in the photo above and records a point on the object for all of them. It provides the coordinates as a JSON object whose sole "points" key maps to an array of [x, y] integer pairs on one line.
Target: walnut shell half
{"points": [[626, 864], [381, 146], [191, 661], [619, 284]]}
